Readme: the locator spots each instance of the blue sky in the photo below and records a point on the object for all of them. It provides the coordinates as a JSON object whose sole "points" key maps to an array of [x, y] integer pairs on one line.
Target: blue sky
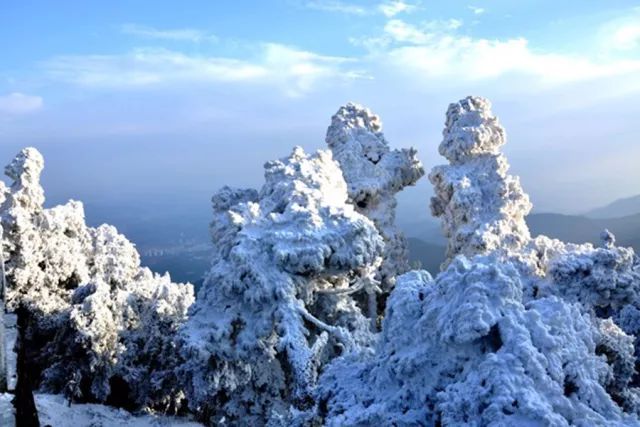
{"points": [[131, 100]]}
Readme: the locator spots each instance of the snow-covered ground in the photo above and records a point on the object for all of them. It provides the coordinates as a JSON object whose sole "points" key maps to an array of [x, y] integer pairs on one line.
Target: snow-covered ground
{"points": [[10, 336], [7, 413], [54, 410]]}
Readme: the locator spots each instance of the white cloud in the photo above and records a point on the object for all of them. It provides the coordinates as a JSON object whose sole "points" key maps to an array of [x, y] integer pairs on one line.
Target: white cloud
{"points": [[401, 32], [292, 70], [627, 37], [621, 34], [392, 8], [184, 34], [396, 32], [476, 10], [426, 52], [389, 8], [436, 50], [337, 6], [18, 103], [299, 71]]}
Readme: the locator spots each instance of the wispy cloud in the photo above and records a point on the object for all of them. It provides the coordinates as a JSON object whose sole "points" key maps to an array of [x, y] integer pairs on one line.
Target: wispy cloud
{"points": [[392, 8], [397, 31], [400, 31], [627, 37], [183, 34], [292, 70], [17, 103], [427, 51], [389, 8], [476, 10], [622, 34], [435, 49], [337, 6]]}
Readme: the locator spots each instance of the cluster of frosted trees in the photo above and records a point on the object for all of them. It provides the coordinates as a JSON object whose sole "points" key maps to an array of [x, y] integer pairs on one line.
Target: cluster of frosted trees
{"points": [[100, 327], [310, 315]]}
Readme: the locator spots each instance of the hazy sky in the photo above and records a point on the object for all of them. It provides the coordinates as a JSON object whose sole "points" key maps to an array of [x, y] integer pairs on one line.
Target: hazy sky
{"points": [[133, 100]]}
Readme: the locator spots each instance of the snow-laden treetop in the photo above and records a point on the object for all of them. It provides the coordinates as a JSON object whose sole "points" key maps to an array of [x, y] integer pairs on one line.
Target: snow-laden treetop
{"points": [[368, 164], [481, 205], [25, 170], [471, 130], [374, 174]]}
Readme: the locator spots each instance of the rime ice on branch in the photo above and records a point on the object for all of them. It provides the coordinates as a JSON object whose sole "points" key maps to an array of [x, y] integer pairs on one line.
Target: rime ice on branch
{"points": [[374, 174], [276, 305], [514, 330], [97, 319]]}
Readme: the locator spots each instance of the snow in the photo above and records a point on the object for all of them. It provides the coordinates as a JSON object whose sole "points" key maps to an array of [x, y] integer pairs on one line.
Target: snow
{"points": [[10, 336], [54, 410], [7, 412]]}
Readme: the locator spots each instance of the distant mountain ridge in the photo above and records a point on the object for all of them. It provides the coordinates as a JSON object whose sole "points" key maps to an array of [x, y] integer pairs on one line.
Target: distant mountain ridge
{"points": [[617, 209], [580, 229], [427, 246], [161, 229], [429, 255]]}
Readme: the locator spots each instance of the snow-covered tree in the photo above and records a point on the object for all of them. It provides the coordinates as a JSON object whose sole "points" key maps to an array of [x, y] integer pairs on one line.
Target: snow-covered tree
{"points": [[118, 343], [513, 331], [276, 305], [481, 206], [374, 174], [97, 319], [118, 346], [45, 250]]}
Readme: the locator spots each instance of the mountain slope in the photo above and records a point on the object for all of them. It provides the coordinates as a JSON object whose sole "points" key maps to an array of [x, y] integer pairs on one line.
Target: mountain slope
{"points": [[429, 255], [619, 208], [426, 238], [579, 229]]}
